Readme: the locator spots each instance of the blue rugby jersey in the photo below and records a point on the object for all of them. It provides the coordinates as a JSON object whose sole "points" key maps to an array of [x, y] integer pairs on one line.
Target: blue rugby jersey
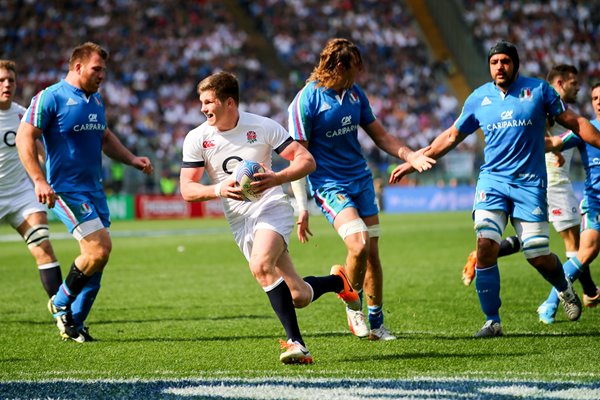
{"points": [[330, 125], [590, 157], [513, 125], [73, 126]]}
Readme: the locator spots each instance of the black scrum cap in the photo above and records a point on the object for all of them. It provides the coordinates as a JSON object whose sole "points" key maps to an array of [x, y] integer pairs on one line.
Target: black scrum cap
{"points": [[504, 47]]}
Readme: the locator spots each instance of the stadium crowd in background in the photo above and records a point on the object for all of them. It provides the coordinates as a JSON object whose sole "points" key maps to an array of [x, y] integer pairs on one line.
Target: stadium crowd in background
{"points": [[548, 32], [170, 46]]}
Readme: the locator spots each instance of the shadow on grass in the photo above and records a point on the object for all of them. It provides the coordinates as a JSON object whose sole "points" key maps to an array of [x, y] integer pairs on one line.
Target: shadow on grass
{"points": [[152, 320], [432, 336], [432, 355]]}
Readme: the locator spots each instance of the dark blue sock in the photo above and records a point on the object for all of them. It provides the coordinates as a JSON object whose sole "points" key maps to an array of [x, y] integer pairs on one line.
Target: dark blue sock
{"points": [[487, 283], [587, 283], [375, 316], [508, 246], [557, 277], [283, 305], [82, 305], [71, 287], [324, 284]]}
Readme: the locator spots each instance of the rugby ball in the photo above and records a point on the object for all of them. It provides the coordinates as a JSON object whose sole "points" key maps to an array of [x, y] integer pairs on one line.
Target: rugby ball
{"points": [[244, 176]]}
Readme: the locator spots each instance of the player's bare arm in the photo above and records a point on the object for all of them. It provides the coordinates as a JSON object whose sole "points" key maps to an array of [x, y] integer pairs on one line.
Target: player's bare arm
{"points": [[299, 190], [581, 126], [553, 144], [441, 145], [193, 191], [112, 147], [395, 147], [301, 161], [27, 147]]}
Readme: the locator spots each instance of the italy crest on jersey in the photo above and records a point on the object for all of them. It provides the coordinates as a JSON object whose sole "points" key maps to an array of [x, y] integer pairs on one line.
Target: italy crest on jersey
{"points": [[525, 94]]}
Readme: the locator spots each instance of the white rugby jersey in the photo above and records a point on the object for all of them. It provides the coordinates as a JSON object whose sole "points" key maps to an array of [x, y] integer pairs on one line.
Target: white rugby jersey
{"points": [[12, 171], [558, 175], [254, 138]]}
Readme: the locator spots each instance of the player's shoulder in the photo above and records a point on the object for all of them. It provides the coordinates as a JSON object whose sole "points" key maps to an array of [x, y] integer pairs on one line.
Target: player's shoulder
{"points": [[530, 81], [54, 91], [16, 108], [255, 121], [310, 91], [56, 88], [483, 94], [200, 130]]}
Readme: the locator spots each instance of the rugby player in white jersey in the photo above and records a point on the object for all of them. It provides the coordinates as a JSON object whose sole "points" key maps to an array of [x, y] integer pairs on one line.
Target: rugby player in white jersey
{"points": [[18, 203], [261, 228]]}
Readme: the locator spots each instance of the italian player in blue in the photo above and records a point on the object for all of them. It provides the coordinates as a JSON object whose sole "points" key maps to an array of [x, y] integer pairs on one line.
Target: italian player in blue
{"points": [[325, 117], [511, 111], [69, 117], [589, 244]]}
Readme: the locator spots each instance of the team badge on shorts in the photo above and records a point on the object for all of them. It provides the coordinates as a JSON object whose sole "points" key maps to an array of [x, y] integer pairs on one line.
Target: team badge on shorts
{"points": [[85, 209], [481, 197], [340, 198]]}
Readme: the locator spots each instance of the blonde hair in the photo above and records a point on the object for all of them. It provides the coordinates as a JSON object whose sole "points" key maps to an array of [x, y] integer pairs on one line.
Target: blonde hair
{"points": [[337, 51], [9, 65]]}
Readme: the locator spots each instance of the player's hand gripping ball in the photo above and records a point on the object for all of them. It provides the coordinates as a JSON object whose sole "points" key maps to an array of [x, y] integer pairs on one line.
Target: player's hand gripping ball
{"points": [[244, 176]]}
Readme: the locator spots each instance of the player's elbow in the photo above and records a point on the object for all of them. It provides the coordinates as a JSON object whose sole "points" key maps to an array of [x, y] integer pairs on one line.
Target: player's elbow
{"points": [[311, 165], [308, 163], [185, 192]]}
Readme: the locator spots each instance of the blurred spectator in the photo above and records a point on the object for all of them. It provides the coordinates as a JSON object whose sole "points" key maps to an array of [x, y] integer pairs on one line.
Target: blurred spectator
{"points": [[160, 50]]}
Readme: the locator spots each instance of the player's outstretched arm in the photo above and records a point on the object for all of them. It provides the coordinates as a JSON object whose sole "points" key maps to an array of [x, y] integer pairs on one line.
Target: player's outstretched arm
{"points": [[441, 145], [397, 148], [112, 147], [581, 126]]}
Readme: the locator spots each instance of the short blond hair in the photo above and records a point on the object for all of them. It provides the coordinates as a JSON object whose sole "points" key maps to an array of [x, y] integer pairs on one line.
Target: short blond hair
{"points": [[9, 65]]}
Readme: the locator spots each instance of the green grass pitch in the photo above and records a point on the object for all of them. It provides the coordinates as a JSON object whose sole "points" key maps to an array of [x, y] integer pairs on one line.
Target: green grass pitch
{"points": [[179, 302]]}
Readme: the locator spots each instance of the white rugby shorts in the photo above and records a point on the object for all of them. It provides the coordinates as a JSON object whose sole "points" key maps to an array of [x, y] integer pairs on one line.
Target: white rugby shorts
{"points": [[276, 215], [563, 207], [17, 206]]}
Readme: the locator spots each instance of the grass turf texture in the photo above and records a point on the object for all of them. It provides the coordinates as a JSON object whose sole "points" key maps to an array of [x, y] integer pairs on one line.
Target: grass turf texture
{"points": [[164, 313]]}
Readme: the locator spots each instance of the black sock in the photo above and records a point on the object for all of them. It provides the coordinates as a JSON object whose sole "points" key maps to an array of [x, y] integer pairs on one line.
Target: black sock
{"points": [[51, 279], [283, 305], [510, 245], [324, 284], [76, 280], [556, 277], [587, 283]]}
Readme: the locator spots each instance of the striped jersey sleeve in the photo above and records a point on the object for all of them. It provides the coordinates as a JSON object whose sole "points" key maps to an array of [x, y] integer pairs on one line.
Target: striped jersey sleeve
{"points": [[37, 114]]}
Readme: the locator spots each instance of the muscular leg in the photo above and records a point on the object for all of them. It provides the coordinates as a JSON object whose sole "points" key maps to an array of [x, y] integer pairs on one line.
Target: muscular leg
{"points": [[357, 246], [373, 281], [34, 230], [95, 250]]}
